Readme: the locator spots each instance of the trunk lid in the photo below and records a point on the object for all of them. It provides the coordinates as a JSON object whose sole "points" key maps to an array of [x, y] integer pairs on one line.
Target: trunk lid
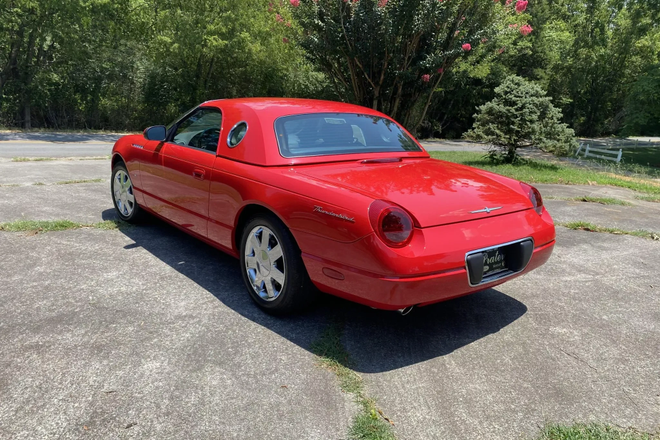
{"points": [[434, 192]]}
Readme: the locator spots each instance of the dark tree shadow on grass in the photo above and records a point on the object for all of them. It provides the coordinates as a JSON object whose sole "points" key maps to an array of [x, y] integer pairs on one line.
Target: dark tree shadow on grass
{"points": [[377, 340]]}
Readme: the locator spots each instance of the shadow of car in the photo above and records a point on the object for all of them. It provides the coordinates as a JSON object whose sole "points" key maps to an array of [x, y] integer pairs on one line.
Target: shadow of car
{"points": [[378, 340]]}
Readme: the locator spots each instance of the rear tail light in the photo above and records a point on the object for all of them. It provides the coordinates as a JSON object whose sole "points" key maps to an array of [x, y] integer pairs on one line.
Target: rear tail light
{"points": [[392, 224], [535, 197]]}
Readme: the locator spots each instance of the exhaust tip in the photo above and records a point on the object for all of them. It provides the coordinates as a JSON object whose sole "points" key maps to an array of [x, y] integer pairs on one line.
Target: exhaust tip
{"points": [[406, 310]]}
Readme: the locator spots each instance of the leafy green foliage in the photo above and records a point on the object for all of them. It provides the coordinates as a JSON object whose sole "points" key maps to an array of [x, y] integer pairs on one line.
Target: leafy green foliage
{"points": [[643, 105], [131, 63], [392, 55], [520, 115], [586, 54], [125, 64]]}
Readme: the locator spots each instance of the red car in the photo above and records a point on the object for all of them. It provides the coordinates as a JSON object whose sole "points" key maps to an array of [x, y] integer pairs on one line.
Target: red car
{"points": [[330, 195]]}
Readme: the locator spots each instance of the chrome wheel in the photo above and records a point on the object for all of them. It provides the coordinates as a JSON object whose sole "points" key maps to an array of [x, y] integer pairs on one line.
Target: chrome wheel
{"points": [[264, 263], [122, 188]]}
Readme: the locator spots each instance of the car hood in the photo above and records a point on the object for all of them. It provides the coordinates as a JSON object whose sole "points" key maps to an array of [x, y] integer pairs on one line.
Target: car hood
{"points": [[433, 191]]}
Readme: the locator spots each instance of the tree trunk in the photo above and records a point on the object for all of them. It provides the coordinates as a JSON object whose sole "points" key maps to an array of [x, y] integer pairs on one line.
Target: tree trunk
{"points": [[27, 120]]}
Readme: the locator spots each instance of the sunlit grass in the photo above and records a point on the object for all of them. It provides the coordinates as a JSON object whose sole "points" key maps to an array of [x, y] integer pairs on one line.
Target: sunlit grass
{"points": [[589, 199], [586, 226], [39, 226], [592, 432], [534, 171]]}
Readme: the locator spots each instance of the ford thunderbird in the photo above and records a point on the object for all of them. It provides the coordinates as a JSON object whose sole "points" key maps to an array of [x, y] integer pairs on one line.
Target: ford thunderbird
{"points": [[324, 196]]}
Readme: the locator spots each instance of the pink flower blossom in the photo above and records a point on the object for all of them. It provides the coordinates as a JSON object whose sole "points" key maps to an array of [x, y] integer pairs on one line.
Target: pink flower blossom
{"points": [[426, 78], [279, 18], [521, 5], [466, 47], [285, 40], [295, 3], [484, 40], [457, 32], [441, 70], [513, 26], [526, 30], [288, 24], [508, 2], [382, 3]]}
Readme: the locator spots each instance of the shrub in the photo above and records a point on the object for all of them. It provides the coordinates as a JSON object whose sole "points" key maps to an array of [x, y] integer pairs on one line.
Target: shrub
{"points": [[521, 115]]}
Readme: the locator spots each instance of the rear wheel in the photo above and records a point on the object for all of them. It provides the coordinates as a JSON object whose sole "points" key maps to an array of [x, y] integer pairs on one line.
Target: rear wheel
{"points": [[122, 194], [273, 270]]}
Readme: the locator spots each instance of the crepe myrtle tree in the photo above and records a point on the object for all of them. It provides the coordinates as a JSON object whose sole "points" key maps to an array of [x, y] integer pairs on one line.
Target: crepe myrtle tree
{"points": [[521, 115], [391, 55]]}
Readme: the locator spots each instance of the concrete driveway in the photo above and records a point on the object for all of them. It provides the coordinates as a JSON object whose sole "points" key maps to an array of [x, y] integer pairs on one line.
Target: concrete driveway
{"points": [[144, 332]]}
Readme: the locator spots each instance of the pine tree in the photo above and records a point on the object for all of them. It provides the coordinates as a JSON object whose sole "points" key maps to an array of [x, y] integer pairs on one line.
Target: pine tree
{"points": [[521, 115]]}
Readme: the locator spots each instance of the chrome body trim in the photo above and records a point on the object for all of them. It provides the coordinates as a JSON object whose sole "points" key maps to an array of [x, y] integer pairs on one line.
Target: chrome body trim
{"points": [[499, 275], [487, 210], [247, 127]]}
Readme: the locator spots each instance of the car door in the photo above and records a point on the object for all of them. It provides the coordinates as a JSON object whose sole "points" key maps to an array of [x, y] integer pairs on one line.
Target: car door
{"points": [[181, 183]]}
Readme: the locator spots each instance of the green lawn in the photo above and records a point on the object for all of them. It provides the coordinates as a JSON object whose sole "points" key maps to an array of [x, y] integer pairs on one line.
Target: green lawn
{"points": [[644, 160], [531, 171], [647, 156], [593, 432]]}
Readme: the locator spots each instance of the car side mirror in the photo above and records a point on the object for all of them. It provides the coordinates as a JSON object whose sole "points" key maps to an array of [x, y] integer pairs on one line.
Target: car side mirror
{"points": [[155, 133]]}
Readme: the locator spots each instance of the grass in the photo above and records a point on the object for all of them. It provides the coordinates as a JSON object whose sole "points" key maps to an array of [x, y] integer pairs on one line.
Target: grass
{"points": [[32, 159], [655, 199], [646, 156], [581, 431], [589, 199], [45, 159], [69, 182], [95, 158], [586, 226], [533, 171], [39, 226], [370, 423], [642, 160]]}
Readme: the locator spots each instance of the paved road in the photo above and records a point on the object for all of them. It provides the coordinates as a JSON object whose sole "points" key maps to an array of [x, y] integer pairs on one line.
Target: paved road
{"points": [[16, 144], [146, 333]]}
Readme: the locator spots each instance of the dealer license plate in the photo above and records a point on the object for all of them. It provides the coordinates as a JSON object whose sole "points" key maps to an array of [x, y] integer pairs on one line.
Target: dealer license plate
{"points": [[494, 261]]}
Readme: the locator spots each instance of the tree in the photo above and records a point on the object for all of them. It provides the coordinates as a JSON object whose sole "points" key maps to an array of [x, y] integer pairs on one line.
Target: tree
{"points": [[520, 115], [392, 55], [643, 105]]}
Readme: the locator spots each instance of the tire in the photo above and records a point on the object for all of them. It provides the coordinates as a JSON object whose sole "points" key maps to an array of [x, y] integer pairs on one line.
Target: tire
{"points": [[276, 280], [123, 198]]}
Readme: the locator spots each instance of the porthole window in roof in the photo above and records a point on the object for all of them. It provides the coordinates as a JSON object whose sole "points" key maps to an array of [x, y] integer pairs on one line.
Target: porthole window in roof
{"points": [[237, 134]]}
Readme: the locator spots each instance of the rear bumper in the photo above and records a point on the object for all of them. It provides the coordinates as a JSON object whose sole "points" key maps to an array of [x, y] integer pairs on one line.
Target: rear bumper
{"points": [[429, 270], [392, 293]]}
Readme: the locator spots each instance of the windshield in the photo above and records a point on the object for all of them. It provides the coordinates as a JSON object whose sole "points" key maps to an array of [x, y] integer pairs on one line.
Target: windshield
{"points": [[323, 134]]}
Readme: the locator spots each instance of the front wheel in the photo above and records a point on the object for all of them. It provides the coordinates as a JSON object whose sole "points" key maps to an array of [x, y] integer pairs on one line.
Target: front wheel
{"points": [[122, 194], [273, 270]]}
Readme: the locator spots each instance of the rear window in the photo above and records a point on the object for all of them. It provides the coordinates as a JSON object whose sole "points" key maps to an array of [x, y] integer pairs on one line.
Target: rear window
{"points": [[323, 134]]}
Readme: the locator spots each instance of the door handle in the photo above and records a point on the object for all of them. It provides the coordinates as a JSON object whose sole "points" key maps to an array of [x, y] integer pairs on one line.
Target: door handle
{"points": [[198, 174]]}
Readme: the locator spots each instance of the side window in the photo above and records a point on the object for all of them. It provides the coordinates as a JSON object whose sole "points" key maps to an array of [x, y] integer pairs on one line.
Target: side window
{"points": [[200, 130]]}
